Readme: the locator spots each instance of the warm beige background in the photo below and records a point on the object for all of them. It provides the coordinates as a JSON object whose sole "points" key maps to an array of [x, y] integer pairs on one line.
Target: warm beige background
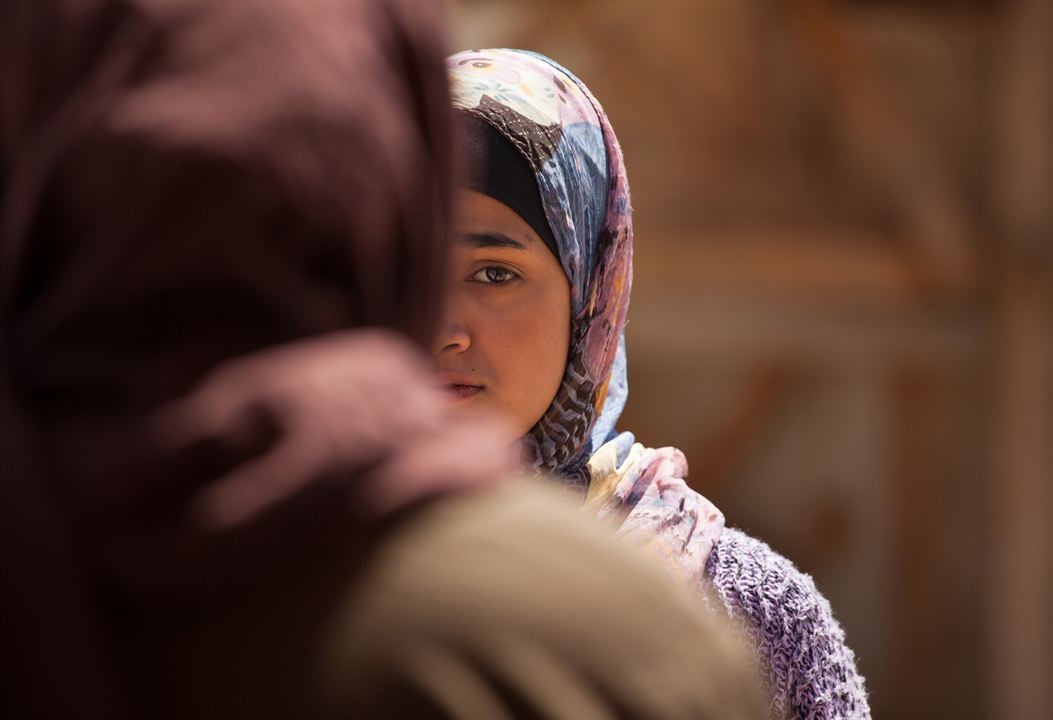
{"points": [[843, 308]]}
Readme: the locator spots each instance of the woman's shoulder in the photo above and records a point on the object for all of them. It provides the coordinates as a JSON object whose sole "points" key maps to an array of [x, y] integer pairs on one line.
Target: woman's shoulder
{"points": [[747, 570], [812, 671]]}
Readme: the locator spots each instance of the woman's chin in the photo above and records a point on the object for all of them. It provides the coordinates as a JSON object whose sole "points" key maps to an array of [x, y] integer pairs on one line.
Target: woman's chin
{"points": [[481, 405]]}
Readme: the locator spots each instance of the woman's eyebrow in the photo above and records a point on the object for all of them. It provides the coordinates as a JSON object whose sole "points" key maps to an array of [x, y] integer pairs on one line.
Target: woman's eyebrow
{"points": [[491, 240]]}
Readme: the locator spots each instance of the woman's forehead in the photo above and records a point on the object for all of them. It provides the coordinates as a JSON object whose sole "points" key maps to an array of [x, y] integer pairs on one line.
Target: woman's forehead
{"points": [[485, 222]]}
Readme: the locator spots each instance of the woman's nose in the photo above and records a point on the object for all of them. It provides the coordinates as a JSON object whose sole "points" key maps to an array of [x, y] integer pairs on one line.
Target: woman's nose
{"points": [[453, 335]]}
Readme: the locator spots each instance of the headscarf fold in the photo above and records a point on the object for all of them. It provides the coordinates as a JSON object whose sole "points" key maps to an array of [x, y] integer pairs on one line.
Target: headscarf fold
{"points": [[561, 129]]}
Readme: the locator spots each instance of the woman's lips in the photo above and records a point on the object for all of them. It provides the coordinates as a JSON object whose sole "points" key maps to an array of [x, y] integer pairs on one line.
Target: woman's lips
{"points": [[463, 392]]}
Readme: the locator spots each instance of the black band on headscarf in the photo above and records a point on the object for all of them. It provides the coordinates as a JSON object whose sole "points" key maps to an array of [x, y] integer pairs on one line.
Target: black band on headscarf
{"points": [[496, 168]]}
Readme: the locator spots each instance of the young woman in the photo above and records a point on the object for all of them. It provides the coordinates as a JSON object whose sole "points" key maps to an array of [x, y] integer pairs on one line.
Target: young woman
{"points": [[534, 334]]}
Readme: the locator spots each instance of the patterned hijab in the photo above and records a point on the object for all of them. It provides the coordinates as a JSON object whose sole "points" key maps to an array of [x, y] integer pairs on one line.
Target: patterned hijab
{"points": [[562, 131]]}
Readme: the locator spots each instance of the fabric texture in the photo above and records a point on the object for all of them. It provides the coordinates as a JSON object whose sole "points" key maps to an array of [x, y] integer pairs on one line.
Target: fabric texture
{"points": [[562, 131], [811, 671], [644, 495]]}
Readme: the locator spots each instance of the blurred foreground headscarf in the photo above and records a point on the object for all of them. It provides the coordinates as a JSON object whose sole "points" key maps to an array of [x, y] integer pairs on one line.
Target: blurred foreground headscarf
{"points": [[549, 115], [200, 203]]}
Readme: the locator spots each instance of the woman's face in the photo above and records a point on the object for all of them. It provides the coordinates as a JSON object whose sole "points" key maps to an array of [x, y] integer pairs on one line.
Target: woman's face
{"points": [[504, 341]]}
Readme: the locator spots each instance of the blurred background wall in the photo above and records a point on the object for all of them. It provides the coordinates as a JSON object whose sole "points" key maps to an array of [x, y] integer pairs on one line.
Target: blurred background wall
{"points": [[843, 308]]}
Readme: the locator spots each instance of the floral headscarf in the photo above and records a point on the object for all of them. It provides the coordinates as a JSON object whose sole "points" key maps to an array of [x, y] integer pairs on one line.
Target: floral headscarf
{"points": [[562, 131], [551, 117]]}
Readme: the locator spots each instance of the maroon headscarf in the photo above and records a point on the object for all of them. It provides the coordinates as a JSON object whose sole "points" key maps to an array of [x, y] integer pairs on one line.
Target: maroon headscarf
{"points": [[203, 204]]}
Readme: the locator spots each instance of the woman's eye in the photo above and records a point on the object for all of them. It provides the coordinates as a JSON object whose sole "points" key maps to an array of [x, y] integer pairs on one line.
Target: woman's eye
{"points": [[494, 275]]}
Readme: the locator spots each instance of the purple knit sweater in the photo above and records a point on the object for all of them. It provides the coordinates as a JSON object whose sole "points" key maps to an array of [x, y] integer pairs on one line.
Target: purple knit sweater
{"points": [[811, 672]]}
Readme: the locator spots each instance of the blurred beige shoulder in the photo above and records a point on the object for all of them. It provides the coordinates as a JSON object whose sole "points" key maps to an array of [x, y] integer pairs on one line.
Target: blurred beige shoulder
{"points": [[499, 603]]}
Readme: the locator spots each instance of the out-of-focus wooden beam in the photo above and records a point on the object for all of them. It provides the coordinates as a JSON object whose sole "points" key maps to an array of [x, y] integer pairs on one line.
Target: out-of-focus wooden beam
{"points": [[898, 156], [826, 265], [765, 392], [1021, 617]]}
